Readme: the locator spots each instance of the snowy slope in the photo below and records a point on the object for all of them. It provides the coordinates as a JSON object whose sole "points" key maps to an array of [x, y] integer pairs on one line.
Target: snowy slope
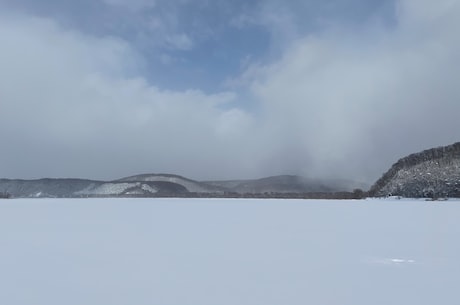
{"points": [[118, 189], [45, 187], [427, 179], [190, 185], [142, 189], [228, 252], [82, 188], [431, 173]]}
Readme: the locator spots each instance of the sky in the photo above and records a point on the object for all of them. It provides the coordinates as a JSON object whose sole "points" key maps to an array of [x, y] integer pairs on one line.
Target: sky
{"points": [[104, 89]]}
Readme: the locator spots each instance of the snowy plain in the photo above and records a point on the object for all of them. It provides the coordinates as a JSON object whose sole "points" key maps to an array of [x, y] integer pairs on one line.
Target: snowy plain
{"points": [[229, 252]]}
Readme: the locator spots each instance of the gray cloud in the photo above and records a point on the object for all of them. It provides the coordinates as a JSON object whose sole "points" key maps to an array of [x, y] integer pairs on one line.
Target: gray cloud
{"points": [[68, 110], [353, 102], [134, 5], [339, 102]]}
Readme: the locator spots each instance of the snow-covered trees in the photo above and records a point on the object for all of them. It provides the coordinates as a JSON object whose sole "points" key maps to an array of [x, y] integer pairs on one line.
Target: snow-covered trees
{"points": [[432, 173]]}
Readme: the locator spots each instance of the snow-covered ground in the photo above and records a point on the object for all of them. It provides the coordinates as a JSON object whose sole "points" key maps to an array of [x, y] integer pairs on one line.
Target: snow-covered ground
{"points": [[223, 251]]}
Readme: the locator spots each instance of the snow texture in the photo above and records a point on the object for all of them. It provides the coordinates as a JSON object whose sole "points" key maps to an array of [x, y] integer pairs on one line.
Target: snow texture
{"points": [[108, 189], [440, 178], [118, 188], [431, 173], [148, 188], [228, 252], [190, 185]]}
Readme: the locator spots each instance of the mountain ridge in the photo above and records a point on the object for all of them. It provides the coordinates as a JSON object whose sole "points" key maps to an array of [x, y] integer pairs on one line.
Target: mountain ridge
{"points": [[157, 185]]}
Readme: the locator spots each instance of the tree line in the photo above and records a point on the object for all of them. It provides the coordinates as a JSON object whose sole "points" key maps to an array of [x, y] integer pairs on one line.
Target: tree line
{"points": [[5, 195]]}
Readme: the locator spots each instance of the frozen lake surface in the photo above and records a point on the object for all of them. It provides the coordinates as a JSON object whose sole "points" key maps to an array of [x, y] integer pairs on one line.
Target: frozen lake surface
{"points": [[224, 251]]}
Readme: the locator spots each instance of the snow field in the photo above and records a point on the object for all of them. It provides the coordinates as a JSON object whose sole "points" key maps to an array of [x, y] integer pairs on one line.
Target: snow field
{"points": [[228, 251]]}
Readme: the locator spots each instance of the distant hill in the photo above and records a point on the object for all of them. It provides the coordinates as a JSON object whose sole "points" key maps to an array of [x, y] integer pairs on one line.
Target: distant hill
{"points": [[58, 188], [287, 184], [431, 173], [160, 185], [189, 184]]}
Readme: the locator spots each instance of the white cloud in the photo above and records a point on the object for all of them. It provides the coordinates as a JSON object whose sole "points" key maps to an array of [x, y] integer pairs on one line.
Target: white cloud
{"points": [[340, 102], [179, 41], [352, 103], [134, 5], [422, 11], [68, 109]]}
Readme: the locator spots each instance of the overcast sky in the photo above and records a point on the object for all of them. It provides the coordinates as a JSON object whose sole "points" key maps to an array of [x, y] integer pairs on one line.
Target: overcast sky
{"points": [[216, 89]]}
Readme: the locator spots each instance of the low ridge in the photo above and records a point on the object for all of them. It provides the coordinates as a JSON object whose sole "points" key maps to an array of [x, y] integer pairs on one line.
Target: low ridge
{"points": [[167, 185]]}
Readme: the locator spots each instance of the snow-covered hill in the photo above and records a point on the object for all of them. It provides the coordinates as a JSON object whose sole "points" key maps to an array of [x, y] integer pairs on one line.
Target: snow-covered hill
{"points": [[45, 187], [191, 185], [86, 188], [431, 173]]}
